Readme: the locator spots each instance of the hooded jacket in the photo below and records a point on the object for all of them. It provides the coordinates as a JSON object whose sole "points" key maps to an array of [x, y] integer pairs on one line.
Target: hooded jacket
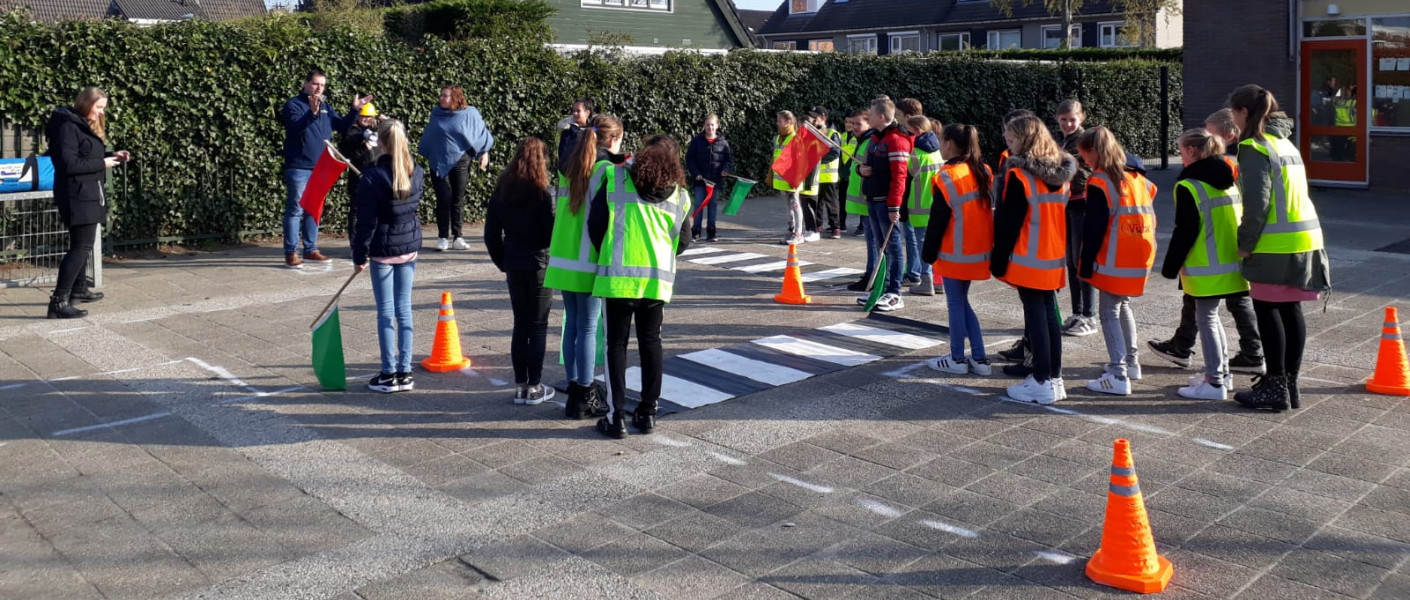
{"points": [[1079, 181], [1305, 270], [1213, 171], [1095, 222], [386, 226], [79, 172], [927, 143], [707, 159], [889, 156], [1009, 215]]}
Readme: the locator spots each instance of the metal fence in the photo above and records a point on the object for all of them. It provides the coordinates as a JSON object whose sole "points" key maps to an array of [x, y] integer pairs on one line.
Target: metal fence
{"points": [[33, 238]]}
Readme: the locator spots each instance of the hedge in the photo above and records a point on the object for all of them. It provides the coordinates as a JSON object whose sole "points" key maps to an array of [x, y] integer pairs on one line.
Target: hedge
{"points": [[196, 102]]}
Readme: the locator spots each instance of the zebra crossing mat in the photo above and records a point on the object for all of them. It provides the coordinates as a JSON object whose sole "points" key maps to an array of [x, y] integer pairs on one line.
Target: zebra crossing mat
{"points": [[762, 264]]}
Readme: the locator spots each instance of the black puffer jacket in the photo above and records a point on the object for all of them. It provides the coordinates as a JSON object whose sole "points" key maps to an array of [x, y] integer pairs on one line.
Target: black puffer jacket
{"points": [[79, 172], [386, 226]]}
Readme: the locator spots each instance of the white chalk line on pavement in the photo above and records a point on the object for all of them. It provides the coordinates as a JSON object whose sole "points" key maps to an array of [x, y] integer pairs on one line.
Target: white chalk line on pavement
{"points": [[821, 489], [880, 508], [260, 395], [669, 441], [727, 459], [15, 386], [143, 418], [948, 528]]}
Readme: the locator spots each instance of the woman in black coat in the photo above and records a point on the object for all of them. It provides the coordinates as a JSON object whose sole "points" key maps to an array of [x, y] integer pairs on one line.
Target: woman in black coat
{"points": [[76, 139]]}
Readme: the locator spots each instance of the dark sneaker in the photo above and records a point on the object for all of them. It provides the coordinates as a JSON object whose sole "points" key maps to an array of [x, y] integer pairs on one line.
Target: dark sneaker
{"points": [[1016, 352], [573, 408], [910, 279], [859, 285], [1168, 351], [1243, 364], [539, 394], [405, 382], [1270, 392], [385, 383], [85, 296], [613, 428], [859, 232], [836, 234]]}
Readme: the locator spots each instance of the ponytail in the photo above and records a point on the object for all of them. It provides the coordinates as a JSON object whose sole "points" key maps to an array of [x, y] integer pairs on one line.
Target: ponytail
{"points": [[1259, 103], [1203, 142], [391, 138], [579, 167], [966, 140], [1111, 157]]}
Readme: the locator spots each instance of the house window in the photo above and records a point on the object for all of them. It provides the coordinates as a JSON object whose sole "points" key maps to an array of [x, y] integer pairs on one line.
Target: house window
{"points": [[799, 7], [954, 41], [820, 45], [1112, 37], [861, 44], [651, 5], [1005, 39], [904, 41], [1390, 73], [785, 45], [1052, 36]]}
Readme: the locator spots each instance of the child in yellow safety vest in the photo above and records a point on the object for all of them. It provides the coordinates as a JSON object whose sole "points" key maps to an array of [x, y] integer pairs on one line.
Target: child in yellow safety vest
{"points": [[787, 126]]}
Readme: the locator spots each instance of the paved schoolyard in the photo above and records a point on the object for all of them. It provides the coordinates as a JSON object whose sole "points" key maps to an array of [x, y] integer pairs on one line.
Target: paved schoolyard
{"points": [[173, 444]]}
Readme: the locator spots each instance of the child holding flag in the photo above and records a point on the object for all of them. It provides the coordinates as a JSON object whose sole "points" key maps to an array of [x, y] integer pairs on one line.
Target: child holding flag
{"points": [[787, 125], [707, 160], [884, 184]]}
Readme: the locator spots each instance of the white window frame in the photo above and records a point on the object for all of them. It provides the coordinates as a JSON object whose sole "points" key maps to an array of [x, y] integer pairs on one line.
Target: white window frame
{"points": [[813, 6], [812, 45], [995, 37], [874, 45], [962, 35], [895, 36], [787, 45], [1116, 39], [670, 5], [1074, 36]]}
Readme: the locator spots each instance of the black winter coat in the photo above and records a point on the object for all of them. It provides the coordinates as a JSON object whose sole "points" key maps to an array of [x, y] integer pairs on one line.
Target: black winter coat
{"points": [[79, 172], [708, 160], [386, 226]]}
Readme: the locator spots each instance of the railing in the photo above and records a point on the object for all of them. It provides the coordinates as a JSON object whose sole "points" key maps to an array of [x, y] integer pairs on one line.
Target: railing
{"points": [[33, 238]]}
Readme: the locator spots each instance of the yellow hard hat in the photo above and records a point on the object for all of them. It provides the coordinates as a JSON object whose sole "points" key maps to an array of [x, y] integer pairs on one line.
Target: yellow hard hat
{"points": [[368, 110]]}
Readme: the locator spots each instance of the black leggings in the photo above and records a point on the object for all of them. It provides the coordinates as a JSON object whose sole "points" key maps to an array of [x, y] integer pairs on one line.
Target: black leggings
{"points": [[1044, 332], [71, 269], [648, 315], [450, 198], [1284, 333], [530, 301]]}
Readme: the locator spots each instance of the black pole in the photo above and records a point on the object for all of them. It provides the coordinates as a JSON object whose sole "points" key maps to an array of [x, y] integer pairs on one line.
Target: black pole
{"points": [[1164, 118]]}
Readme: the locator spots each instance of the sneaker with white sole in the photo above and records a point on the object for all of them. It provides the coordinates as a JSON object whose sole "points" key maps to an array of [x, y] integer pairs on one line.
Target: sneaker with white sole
{"points": [[1228, 380], [521, 392], [1070, 323], [1110, 384], [384, 382], [889, 302], [405, 381], [979, 366], [812, 236], [1204, 390], [1168, 351], [1082, 327], [460, 244], [1133, 372], [1059, 388], [1243, 364], [792, 240], [950, 365], [1032, 391], [442, 244], [536, 395]]}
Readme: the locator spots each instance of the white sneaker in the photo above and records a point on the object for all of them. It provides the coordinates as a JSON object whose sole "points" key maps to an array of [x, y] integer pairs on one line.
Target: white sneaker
{"points": [[890, 302], [1203, 391], [460, 244], [442, 244], [1109, 384], [1197, 379], [1032, 391], [1059, 388], [983, 369], [1070, 323], [947, 364], [792, 240], [812, 236], [1083, 327], [1133, 372]]}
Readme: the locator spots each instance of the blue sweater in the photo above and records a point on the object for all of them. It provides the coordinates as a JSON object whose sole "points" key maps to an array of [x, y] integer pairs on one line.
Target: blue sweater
{"points": [[451, 135], [305, 132], [386, 226]]}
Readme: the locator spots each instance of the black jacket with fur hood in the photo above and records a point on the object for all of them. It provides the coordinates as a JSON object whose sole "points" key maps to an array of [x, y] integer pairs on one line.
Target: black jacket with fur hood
{"points": [[1213, 171], [1012, 210]]}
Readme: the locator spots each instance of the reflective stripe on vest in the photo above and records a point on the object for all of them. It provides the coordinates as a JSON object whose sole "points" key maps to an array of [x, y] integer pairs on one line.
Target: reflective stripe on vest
{"points": [[849, 148], [1345, 111], [640, 261], [972, 220], [1130, 235], [856, 202], [1213, 266], [572, 259], [1292, 226], [828, 171], [1040, 255], [924, 167]]}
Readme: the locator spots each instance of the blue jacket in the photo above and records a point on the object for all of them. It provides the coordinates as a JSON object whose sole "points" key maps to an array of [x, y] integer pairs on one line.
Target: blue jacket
{"points": [[386, 226], [567, 142], [708, 160], [451, 135], [305, 132]]}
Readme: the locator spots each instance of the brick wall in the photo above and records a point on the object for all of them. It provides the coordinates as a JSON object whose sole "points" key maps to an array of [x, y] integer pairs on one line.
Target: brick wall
{"points": [[1228, 44]]}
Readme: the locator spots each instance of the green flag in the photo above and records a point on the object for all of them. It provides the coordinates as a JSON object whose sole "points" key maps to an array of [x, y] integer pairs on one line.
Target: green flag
{"points": [[878, 283], [736, 197], [328, 362]]}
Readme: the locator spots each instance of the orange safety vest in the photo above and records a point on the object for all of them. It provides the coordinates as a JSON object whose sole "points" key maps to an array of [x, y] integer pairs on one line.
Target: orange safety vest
{"points": [[969, 236], [1128, 250], [1039, 259], [1233, 163]]}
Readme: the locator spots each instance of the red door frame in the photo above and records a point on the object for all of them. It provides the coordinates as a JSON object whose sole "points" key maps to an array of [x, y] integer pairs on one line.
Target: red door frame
{"points": [[1340, 172]]}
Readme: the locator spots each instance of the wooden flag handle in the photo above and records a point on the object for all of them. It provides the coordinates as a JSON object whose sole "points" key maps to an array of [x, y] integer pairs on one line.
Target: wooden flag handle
{"points": [[849, 155], [334, 300], [338, 156]]}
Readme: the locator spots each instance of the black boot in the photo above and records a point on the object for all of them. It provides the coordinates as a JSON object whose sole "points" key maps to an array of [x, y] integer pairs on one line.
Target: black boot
{"points": [[573, 409], [60, 308], [614, 426], [1270, 393], [85, 295], [710, 235], [595, 400], [1294, 396], [645, 417]]}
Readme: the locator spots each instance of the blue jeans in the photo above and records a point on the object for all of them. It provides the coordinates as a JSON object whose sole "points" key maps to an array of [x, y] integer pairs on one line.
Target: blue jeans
{"points": [[963, 322], [872, 243], [879, 220], [697, 194], [391, 287], [915, 236], [295, 180], [580, 313]]}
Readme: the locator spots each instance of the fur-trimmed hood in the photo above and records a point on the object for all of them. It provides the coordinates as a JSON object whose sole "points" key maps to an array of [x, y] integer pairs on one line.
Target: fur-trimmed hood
{"points": [[1053, 173]]}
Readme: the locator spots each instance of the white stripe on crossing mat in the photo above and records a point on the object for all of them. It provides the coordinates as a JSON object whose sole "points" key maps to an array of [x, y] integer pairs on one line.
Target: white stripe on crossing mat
{"points": [[882, 336], [685, 393], [757, 370], [715, 260], [769, 266], [830, 274], [832, 354], [703, 250]]}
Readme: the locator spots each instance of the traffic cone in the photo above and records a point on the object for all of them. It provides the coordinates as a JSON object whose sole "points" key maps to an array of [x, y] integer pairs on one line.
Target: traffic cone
{"points": [[1127, 558], [1392, 376], [445, 352], [793, 281]]}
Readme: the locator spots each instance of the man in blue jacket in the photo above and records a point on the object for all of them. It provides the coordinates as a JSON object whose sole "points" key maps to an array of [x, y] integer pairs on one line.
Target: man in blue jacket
{"points": [[308, 122]]}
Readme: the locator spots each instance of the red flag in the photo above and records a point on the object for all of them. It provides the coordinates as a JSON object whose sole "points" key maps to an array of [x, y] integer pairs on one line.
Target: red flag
{"points": [[801, 156], [326, 172], [709, 193]]}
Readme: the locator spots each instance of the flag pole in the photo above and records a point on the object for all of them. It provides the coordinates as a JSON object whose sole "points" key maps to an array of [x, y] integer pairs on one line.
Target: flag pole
{"points": [[830, 143], [333, 301], [882, 250], [338, 156]]}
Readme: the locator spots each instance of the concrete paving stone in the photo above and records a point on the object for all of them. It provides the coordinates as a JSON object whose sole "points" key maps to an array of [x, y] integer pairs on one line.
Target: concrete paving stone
{"points": [[1173, 529], [484, 486], [856, 510], [410, 452], [1323, 423], [440, 471], [1327, 485], [1053, 470], [225, 548], [912, 529], [540, 469], [951, 471], [875, 554], [1279, 448], [990, 455], [757, 591], [763, 550], [1395, 586], [691, 579], [1269, 587], [800, 456], [584, 532], [1028, 440], [1301, 504], [695, 531], [184, 510], [80, 512], [1354, 545], [643, 511], [973, 428], [1330, 572], [1072, 503], [947, 577], [1064, 427], [1377, 522], [46, 423], [1229, 487], [105, 553], [843, 441], [1009, 487], [1276, 525], [502, 454], [808, 498], [998, 551], [1069, 579], [1363, 450], [514, 557], [754, 509], [1208, 575], [1256, 469], [445, 580], [1192, 504], [1089, 455], [52, 580], [848, 472], [936, 440], [1388, 498], [635, 554], [894, 455], [1238, 547], [242, 487], [1040, 527], [975, 508], [701, 491], [908, 489], [1401, 479], [305, 525], [820, 579]]}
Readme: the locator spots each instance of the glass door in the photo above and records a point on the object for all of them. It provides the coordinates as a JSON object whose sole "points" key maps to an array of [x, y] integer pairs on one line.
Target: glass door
{"points": [[1334, 116]]}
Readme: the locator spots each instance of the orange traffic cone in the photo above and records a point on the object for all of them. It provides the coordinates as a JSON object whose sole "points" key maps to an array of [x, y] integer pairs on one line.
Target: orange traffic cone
{"points": [[1127, 558], [793, 281], [1392, 376], [445, 352]]}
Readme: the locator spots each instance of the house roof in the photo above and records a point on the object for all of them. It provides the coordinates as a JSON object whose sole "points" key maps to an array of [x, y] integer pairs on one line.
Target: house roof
{"points": [[754, 20], [53, 11], [980, 11], [856, 15], [730, 14]]}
